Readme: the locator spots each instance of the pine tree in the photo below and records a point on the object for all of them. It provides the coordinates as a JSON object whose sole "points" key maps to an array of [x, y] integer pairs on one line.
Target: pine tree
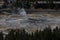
{"points": [[11, 35], [1, 36]]}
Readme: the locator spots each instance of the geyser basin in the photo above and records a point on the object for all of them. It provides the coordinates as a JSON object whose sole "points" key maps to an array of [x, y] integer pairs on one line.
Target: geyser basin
{"points": [[23, 21], [29, 23]]}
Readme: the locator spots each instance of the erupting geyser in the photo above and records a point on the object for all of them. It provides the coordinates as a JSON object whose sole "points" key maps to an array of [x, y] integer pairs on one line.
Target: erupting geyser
{"points": [[22, 12]]}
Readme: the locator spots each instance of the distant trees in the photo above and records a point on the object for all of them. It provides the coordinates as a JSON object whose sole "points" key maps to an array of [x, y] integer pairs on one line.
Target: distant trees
{"points": [[27, 4], [48, 5]]}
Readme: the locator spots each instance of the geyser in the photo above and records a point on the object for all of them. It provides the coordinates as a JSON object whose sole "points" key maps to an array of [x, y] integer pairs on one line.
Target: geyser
{"points": [[22, 12]]}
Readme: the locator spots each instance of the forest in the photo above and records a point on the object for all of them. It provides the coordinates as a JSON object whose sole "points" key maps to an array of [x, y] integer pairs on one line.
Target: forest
{"points": [[46, 34], [32, 3]]}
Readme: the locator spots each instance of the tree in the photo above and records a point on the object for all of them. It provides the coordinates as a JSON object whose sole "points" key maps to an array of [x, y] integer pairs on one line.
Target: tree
{"points": [[11, 35], [56, 34], [47, 33], [1, 36]]}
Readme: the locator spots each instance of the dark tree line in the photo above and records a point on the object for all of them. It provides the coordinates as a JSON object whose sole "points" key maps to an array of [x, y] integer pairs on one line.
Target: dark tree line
{"points": [[27, 4], [46, 34]]}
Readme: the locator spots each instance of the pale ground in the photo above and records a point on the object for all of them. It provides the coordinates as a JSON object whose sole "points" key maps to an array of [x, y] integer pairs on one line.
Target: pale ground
{"points": [[52, 17], [54, 20]]}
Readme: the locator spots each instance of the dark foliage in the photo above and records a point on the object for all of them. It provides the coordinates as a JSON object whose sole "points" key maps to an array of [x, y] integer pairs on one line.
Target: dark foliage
{"points": [[46, 34], [27, 4], [1, 36]]}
